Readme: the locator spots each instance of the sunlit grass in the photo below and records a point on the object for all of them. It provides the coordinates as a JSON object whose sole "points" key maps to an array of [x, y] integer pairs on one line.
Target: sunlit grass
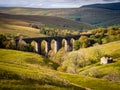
{"points": [[95, 75], [23, 70], [18, 71], [20, 30], [92, 83]]}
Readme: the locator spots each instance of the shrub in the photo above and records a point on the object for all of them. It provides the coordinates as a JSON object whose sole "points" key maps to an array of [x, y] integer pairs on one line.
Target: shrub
{"points": [[99, 41], [2, 40], [72, 62], [85, 41], [77, 45], [29, 48], [96, 54], [7, 42]]}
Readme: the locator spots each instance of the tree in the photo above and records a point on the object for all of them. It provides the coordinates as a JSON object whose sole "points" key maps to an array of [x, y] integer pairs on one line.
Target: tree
{"points": [[77, 45], [7, 42], [2, 40], [111, 32], [28, 48], [99, 41], [85, 42], [96, 54]]}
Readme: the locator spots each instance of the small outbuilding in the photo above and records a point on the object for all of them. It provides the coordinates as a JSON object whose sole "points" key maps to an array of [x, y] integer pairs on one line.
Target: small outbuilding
{"points": [[106, 60]]}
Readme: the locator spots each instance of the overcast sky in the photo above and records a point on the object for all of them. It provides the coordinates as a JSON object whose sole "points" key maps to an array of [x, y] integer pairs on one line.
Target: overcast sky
{"points": [[51, 3]]}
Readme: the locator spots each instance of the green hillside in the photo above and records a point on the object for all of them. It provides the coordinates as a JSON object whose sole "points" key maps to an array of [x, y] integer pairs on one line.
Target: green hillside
{"points": [[90, 73], [23, 70], [19, 30], [111, 6], [49, 21], [87, 15], [18, 27], [86, 62]]}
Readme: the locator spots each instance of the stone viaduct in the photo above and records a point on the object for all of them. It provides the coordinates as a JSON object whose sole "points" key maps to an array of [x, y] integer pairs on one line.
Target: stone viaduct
{"points": [[57, 42]]}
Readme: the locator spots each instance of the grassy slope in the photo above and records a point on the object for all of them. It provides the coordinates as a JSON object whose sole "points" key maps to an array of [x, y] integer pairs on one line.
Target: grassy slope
{"points": [[27, 70], [18, 27], [111, 49], [112, 70], [88, 15], [22, 70], [92, 83], [99, 83]]}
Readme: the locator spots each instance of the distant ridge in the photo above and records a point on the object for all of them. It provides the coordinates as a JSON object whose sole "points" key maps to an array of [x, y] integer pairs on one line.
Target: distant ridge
{"points": [[97, 14], [52, 21], [111, 6]]}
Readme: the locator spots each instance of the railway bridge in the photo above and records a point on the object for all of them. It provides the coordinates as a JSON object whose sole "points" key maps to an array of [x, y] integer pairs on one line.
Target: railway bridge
{"points": [[57, 42]]}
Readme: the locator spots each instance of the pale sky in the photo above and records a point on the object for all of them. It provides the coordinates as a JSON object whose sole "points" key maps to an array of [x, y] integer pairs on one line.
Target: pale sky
{"points": [[51, 3]]}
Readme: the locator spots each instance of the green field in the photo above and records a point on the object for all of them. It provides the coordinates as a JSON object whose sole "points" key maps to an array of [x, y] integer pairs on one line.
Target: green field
{"points": [[23, 70], [93, 74], [20, 30], [91, 57], [18, 27]]}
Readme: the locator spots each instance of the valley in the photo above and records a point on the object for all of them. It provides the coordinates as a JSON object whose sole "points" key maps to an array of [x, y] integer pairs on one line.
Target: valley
{"points": [[60, 48], [32, 71]]}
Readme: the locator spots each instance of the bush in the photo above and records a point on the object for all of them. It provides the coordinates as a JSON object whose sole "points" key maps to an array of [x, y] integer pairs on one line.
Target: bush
{"points": [[29, 48], [99, 41], [72, 62], [2, 40], [77, 45], [7, 42], [85, 41], [96, 54], [105, 40]]}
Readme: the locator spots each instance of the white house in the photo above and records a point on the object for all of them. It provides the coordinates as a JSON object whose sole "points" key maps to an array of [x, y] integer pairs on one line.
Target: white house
{"points": [[106, 60]]}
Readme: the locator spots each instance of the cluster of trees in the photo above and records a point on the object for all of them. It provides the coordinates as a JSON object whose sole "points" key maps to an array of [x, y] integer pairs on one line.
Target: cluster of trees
{"points": [[52, 31], [7, 41], [99, 36], [34, 26], [55, 32], [72, 62], [82, 42]]}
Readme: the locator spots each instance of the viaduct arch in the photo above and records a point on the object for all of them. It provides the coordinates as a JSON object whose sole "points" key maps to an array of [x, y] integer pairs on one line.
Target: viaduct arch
{"points": [[57, 42]]}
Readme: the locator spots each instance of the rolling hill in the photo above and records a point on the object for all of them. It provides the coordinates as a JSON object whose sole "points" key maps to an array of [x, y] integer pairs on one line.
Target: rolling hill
{"points": [[75, 70], [92, 71], [105, 15], [90, 58], [50, 21], [111, 6], [17, 28], [23, 70]]}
